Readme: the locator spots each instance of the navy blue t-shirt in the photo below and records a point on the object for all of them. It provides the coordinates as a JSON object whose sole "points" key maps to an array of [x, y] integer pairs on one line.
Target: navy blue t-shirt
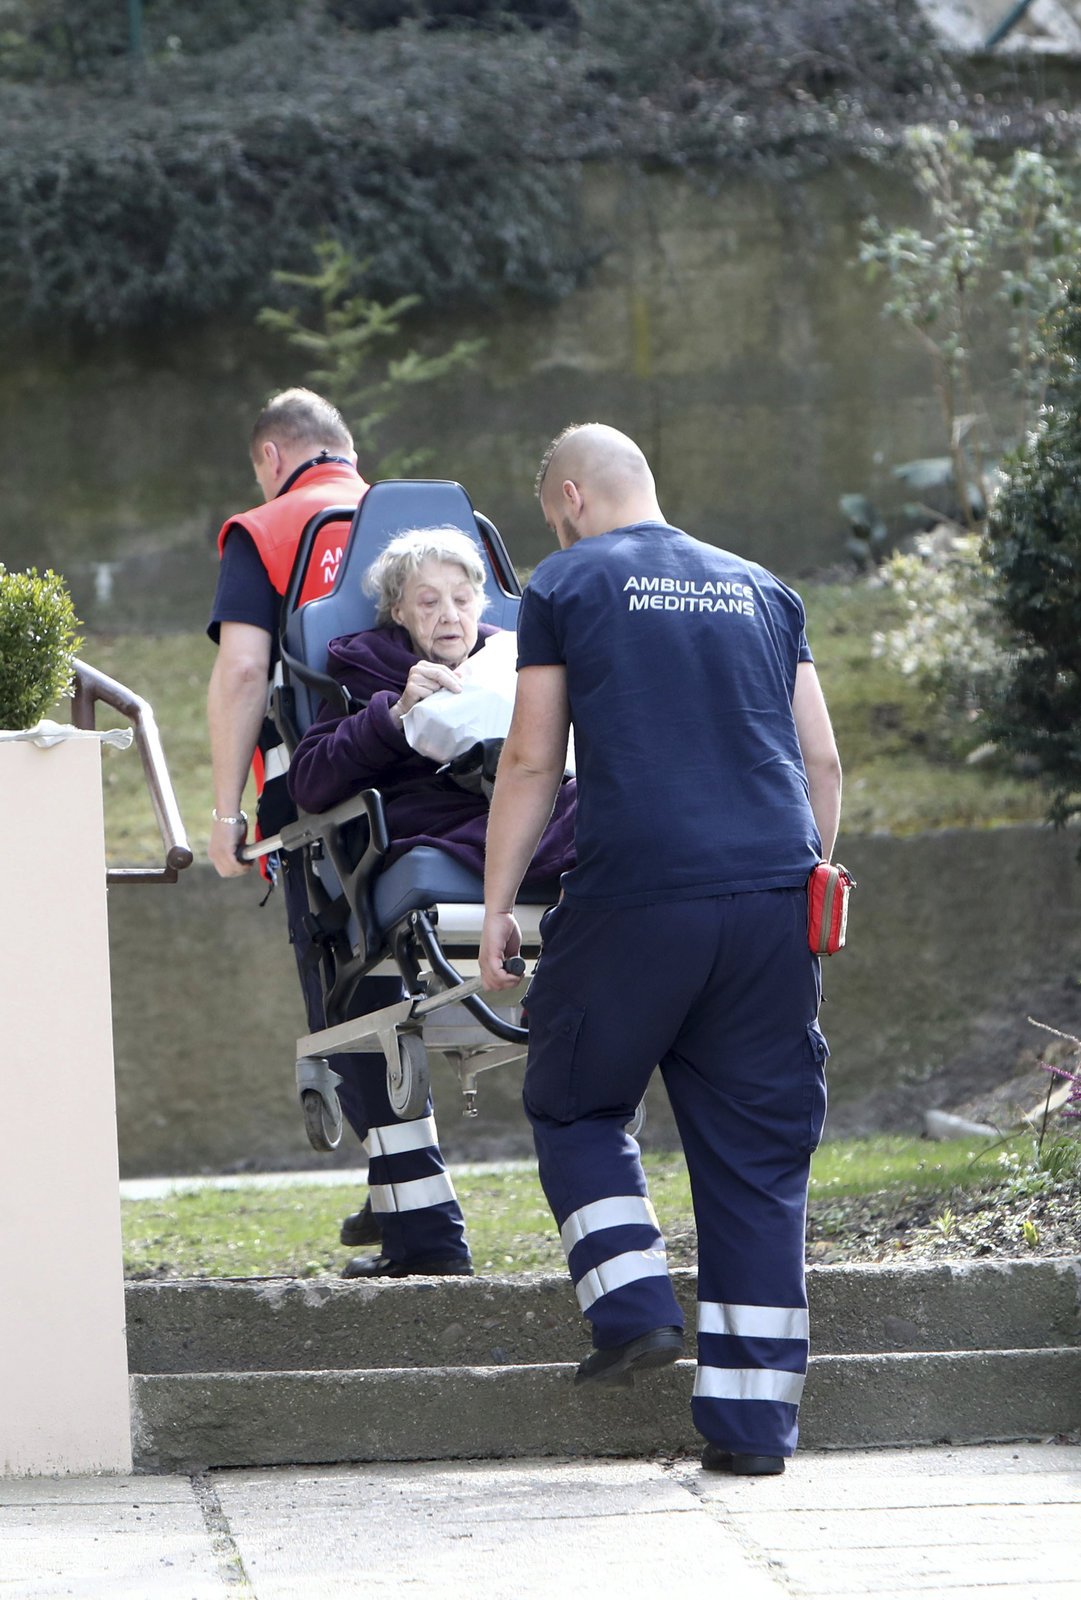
{"points": [[681, 666], [245, 592]]}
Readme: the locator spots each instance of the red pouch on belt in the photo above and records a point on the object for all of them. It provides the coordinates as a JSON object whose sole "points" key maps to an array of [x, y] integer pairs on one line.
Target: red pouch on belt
{"points": [[827, 907]]}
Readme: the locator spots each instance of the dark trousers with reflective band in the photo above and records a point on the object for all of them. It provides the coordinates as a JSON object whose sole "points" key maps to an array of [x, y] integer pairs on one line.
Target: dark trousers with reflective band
{"points": [[723, 994], [411, 1190]]}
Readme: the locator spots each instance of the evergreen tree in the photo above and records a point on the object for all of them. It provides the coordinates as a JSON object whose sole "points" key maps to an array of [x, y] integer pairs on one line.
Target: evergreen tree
{"points": [[1034, 544]]}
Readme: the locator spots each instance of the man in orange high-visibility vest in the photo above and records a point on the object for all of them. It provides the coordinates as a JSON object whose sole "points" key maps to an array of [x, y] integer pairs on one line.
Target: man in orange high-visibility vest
{"points": [[304, 461]]}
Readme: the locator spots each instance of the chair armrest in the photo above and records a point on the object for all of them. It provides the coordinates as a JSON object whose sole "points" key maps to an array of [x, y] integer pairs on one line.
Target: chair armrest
{"points": [[312, 825]]}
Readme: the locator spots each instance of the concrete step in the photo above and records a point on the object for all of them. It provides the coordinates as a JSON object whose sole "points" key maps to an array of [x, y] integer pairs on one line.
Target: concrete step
{"points": [[289, 1324], [276, 1371], [186, 1422]]}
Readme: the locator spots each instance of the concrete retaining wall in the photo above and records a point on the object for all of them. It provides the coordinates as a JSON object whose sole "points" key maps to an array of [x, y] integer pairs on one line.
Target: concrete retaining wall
{"points": [[207, 1007]]}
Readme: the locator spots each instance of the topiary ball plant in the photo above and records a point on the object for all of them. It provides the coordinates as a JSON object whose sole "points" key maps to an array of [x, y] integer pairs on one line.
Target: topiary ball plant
{"points": [[38, 641]]}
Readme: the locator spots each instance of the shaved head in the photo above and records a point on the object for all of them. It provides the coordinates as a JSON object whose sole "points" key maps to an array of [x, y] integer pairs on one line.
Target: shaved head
{"points": [[593, 452], [593, 478]]}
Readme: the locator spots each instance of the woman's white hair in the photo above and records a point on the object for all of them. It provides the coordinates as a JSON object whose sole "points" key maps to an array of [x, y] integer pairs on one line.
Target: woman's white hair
{"points": [[407, 552]]}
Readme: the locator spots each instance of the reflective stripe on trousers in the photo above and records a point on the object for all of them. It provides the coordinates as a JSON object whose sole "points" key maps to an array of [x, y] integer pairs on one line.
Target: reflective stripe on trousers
{"points": [[410, 1194], [622, 1266]]}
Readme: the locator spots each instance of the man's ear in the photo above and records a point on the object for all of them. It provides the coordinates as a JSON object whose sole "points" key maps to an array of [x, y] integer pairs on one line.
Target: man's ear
{"points": [[271, 456], [571, 496]]}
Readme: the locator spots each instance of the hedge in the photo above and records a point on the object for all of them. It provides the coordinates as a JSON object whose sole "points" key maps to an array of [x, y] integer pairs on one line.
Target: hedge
{"points": [[451, 157]]}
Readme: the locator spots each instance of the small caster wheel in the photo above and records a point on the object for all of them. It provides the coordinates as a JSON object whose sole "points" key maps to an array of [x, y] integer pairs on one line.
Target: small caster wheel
{"points": [[638, 1121], [322, 1120], [408, 1087]]}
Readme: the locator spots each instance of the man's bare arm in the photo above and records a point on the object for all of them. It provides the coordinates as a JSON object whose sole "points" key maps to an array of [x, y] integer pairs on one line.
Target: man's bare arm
{"points": [[820, 758], [236, 706], [530, 772]]}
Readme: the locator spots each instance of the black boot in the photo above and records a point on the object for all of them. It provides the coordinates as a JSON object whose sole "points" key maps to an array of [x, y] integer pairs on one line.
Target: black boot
{"points": [[420, 1267], [714, 1459], [616, 1367], [361, 1227]]}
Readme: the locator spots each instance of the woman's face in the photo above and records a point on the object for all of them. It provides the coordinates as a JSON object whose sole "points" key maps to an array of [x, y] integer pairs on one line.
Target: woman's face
{"points": [[439, 609]]}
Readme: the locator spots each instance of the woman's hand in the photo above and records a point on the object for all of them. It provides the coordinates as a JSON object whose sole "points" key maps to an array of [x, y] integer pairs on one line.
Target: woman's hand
{"points": [[424, 679]]}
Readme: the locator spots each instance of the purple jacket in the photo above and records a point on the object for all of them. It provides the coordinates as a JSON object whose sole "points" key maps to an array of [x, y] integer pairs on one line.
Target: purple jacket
{"points": [[367, 749]]}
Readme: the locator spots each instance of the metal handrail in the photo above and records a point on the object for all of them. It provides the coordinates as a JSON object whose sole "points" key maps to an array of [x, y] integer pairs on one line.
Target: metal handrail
{"points": [[92, 686]]}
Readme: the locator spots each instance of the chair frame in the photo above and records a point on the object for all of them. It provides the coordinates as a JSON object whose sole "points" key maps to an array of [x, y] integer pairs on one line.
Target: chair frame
{"points": [[432, 948]]}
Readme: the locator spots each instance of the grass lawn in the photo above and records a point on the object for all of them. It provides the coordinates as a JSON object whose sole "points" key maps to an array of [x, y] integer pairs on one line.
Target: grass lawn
{"points": [[903, 771], [257, 1232]]}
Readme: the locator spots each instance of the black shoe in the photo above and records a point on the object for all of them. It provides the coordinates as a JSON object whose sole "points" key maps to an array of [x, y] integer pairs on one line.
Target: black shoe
{"points": [[360, 1227], [616, 1367], [421, 1267], [714, 1459]]}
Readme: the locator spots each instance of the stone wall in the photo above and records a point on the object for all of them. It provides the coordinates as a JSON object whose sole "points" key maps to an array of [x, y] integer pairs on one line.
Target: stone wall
{"points": [[725, 326], [954, 938]]}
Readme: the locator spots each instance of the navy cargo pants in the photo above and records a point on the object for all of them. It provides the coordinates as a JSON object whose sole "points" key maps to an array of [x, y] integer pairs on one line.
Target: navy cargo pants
{"points": [[723, 993], [411, 1191]]}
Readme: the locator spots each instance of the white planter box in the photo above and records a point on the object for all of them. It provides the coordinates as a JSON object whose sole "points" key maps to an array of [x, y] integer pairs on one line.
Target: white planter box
{"points": [[64, 1404]]}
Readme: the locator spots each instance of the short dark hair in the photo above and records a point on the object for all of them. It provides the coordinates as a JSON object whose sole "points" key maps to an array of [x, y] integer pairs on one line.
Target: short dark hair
{"points": [[300, 416]]}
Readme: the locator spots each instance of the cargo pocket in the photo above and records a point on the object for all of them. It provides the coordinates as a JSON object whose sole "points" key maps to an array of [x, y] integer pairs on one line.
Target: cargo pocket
{"points": [[555, 1025], [814, 1090], [545, 928]]}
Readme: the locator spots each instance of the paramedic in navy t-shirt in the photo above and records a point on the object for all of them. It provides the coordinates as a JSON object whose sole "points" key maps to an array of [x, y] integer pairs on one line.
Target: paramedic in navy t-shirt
{"points": [[708, 788]]}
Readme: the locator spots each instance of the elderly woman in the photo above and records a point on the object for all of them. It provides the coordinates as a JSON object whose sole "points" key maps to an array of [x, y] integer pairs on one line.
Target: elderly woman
{"points": [[429, 590]]}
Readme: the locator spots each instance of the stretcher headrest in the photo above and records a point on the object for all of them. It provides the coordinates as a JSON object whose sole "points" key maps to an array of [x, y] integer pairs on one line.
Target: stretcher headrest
{"points": [[388, 509]]}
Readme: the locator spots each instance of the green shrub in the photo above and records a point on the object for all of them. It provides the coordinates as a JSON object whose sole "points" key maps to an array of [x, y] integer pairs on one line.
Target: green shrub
{"points": [[369, 15], [818, 48], [38, 641], [420, 154], [450, 159], [55, 39], [989, 236], [950, 640], [1034, 544]]}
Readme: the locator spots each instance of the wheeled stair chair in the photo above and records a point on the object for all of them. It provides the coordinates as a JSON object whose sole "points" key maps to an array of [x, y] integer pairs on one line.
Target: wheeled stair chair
{"points": [[420, 918]]}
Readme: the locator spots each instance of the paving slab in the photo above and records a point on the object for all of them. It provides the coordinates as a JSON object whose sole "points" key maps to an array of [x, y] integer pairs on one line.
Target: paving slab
{"points": [[931, 1574], [104, 1489], [992, 1521], [846, 1480], [916, 1527], [106, 1539], [999, 1522], [504, 1530]]}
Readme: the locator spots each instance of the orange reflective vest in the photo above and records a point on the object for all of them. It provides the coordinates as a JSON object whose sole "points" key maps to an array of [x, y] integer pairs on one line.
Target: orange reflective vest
{"points": [[275, 529], [276, 526]]}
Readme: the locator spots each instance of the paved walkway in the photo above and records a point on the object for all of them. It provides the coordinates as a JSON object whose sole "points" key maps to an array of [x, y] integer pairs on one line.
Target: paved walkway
{"points": [[324, 1177], [1000, 1522]]}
